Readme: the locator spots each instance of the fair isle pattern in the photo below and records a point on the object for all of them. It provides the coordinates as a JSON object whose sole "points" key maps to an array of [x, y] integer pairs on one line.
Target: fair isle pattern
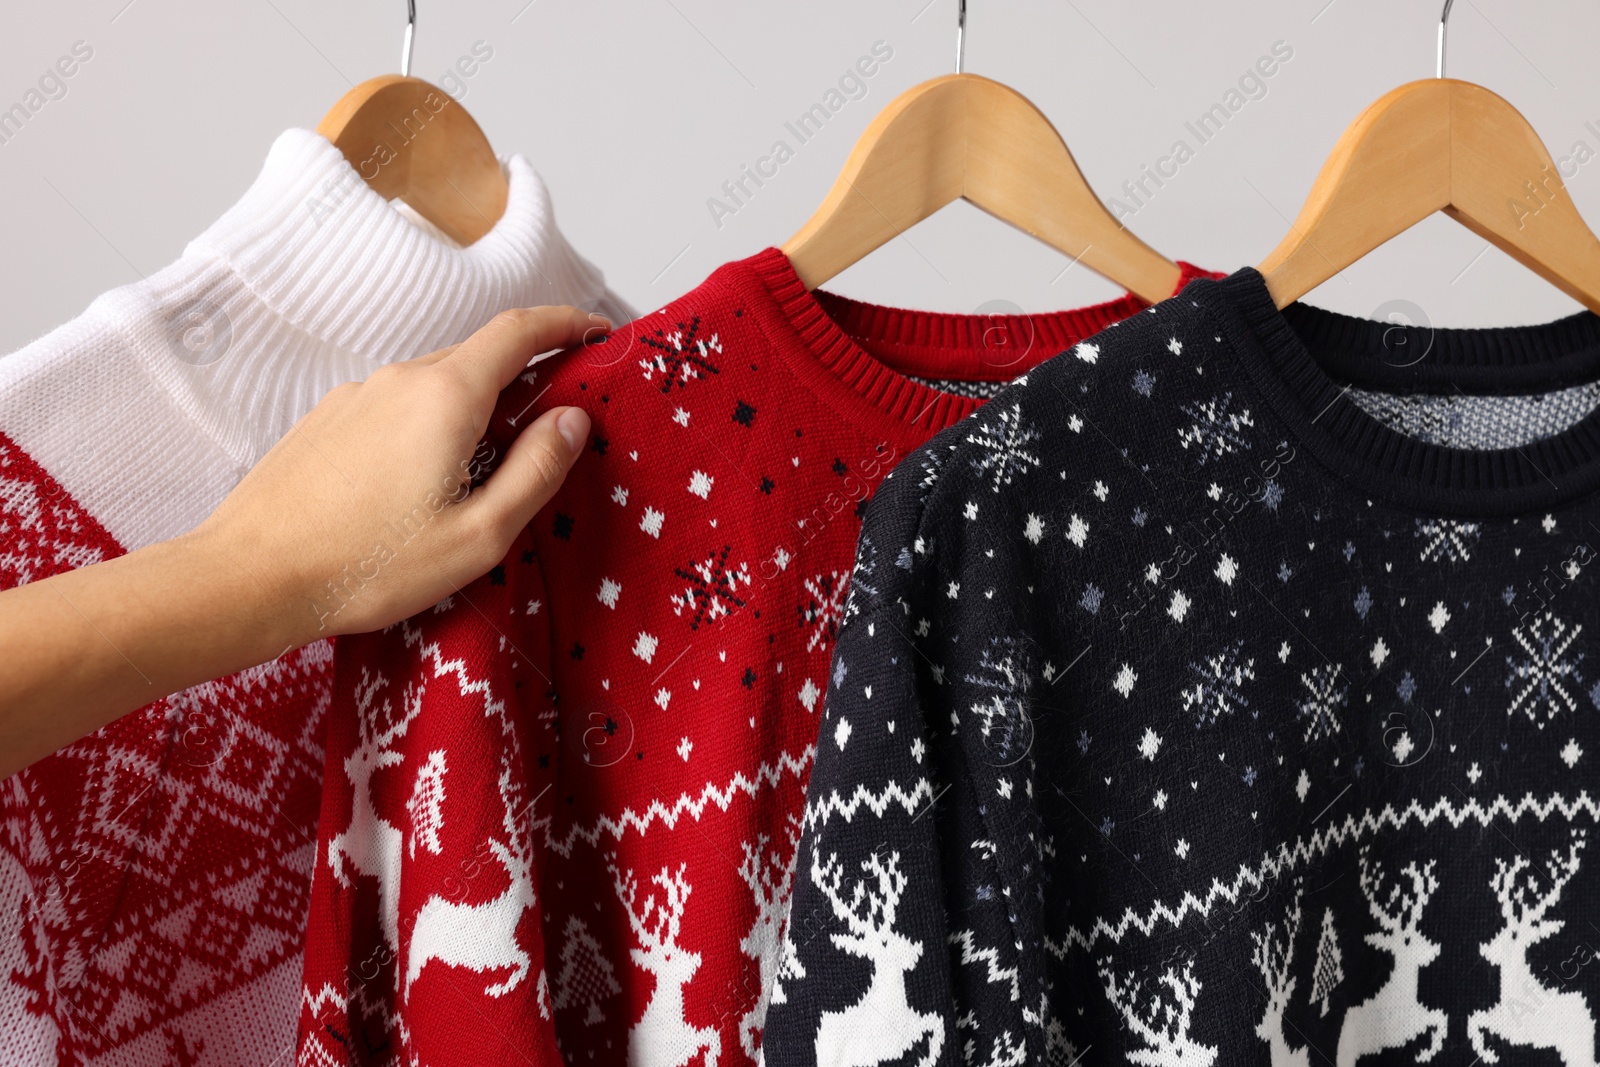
{"points": [[43, 531], [155, 876], [1178, 750], [164, 861], [661, 635]]}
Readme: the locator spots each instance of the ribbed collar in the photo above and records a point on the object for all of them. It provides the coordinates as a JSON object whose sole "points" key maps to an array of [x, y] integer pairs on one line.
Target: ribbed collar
{"points": [[1303, 358], [862, 358], [337, 260]]}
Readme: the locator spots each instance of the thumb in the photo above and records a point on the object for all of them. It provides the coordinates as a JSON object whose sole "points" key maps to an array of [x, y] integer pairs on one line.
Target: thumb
{"points": [[534, 468]]}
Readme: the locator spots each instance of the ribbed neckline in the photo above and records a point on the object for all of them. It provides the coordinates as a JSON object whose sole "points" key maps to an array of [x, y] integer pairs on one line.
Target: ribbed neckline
{"points": [[1303, 358], [862, 357], [334, 258]]}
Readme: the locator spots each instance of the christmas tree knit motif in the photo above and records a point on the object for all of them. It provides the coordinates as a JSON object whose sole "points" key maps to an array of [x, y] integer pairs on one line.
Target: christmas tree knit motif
{"points": [[595, 810], [1234, 724]]}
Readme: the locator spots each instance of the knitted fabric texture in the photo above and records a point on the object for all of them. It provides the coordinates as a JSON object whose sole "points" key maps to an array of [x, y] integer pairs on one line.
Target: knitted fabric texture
{"points": [[1186, 710], [154, 877], [560, 807]]}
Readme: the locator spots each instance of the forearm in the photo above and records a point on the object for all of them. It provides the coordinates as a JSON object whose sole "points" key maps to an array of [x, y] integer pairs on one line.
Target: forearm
{"points": [[88, 645], [252, 582]]}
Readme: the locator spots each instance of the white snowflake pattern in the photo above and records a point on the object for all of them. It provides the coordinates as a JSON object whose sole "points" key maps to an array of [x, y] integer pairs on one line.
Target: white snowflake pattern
{"points": [[823, 608], [1179, 607], [609, 592], [1227, 569], [1324, 696], [700, 484], [1078, 531], [1033, 529], [1149, 744], [809, 694], [644, 646], [1213, 429], [1125, 679], [1006, 442], [651, 523], [1540, 681]]}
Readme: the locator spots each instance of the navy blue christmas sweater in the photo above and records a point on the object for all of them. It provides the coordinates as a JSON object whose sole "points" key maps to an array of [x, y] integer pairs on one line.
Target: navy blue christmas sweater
{"points": [[1226, 691]]}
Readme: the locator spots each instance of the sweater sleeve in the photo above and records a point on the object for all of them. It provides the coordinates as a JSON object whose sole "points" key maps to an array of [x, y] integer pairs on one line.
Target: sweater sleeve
{"points": [[440, 758], [900, 942]]}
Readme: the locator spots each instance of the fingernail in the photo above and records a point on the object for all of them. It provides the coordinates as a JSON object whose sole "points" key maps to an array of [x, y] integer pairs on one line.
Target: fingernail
{"points": [[573, 426], [600, 320]]}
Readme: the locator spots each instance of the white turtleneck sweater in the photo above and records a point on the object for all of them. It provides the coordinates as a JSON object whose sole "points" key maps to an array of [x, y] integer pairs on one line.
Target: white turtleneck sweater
{"points": [[154, 876]]}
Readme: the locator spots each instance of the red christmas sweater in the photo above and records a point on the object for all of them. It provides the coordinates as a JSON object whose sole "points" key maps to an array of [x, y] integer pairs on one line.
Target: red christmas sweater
{"points": [[560, 808]]}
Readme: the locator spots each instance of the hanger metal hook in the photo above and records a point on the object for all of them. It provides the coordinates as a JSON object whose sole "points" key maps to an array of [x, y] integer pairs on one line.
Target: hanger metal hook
{"points": [[961, 33], [411, 35], [1444, 23]]}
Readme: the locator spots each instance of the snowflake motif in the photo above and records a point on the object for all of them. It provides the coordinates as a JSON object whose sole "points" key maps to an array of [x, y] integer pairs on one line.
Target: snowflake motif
{"points": [[1006, 727], [1213, 430], [1149, 744], [1143, 383], [712, 591], [823, 608], [1324, 696], [1125, 680], [1446, 539], [1539, 682], [1005, 440], [862, 581], [680, 356], [1363, 603], [1407, 688], [1093, 595], [1219, 685]]}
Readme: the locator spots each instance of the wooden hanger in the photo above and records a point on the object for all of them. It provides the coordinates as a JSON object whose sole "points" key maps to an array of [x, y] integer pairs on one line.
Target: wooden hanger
{"points": [[1438, 145], [963, 137], [412, 141]]}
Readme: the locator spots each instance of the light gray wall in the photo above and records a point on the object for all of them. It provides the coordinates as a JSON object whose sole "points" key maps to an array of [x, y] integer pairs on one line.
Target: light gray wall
{"points": [[636, 111]]}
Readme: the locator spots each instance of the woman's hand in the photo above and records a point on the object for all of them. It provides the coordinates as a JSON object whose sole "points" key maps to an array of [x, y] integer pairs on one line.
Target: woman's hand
{"points": [[363, 514]]}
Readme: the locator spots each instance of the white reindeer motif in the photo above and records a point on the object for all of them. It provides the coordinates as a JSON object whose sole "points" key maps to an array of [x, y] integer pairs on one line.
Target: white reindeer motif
{"points": [[1163, 1027], [370, 844], [882, 1025], [1273, 959], [483, 937], [1530, 1013], [663, 1037], [1393, 1017], [770, 876]]}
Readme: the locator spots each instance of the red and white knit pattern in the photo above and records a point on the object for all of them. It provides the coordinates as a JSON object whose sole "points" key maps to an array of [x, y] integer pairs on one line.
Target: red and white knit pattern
{"points": [[155, 877], [560, 808]]}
